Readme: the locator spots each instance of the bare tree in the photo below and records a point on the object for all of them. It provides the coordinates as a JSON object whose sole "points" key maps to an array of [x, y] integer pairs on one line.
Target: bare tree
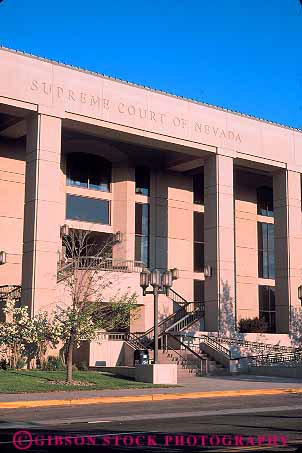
{"points": [[89, 274]]}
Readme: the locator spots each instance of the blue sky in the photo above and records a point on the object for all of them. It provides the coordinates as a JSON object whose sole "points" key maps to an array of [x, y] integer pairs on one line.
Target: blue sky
{"points": [[242, 55]]}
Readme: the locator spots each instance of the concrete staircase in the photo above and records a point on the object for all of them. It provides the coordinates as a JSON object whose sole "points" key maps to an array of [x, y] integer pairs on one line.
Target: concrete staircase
{"points": [[188, 369]]}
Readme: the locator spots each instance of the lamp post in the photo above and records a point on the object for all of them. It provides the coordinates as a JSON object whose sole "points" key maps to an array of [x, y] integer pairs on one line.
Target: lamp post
{"points": [[161, 284], [300, 293]]}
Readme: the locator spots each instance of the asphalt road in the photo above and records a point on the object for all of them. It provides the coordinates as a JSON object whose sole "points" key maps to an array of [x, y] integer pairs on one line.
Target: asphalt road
{"points": [[240, 421]]}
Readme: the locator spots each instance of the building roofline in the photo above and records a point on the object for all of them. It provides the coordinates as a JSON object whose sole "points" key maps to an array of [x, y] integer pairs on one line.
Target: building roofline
{"points": [[154, 90]]}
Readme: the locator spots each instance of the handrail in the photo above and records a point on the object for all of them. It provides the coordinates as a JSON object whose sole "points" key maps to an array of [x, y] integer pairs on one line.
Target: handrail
{"points": [[174, 318], [200, 362], [184, 345], [13, 291], [254, 344], [100, 263], [177, 298], [211, 343], [279, 357]]}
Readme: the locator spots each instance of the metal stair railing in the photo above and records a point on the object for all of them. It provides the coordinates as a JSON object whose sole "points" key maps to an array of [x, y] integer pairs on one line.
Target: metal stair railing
{"points": [[99, 263], [253, 344], [287, 358], [190, 358], [177, 298], [134, 341], [12, 291], [209, 341], [187, 320]]}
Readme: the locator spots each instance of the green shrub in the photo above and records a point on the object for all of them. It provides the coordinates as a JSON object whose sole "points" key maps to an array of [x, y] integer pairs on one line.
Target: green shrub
{"points": [[83, 366], [252, 325], [53, 363], [20, 364]]}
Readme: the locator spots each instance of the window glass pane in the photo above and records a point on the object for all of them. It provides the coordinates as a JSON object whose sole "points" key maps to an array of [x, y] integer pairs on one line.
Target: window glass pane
{"points": [[138, 248], [138, 218], [271, 265], [270, 240], [77, 170], [142, 232], [272, 298], [260, 236], [264, 235], [263, 298], [100, 175], [142, 181], [198, 257], [198, 227], [272, 325], [265, 203], [198, 290], [145, 219], [260, 263], [142, 249], [87, 209], [198, 189], [88, 170]]}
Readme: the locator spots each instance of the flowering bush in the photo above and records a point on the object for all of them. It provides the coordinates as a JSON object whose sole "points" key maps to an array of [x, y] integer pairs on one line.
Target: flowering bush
{"points": [[27, 338]]}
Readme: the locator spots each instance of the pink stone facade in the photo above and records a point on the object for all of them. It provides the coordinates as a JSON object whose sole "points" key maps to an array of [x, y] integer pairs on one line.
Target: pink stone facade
{"points": [[48, 110]]}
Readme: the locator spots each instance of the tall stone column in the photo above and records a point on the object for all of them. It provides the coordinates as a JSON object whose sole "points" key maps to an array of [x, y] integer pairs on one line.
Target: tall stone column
{"points": [[124, 210], [288, 249], [219, 244], [43, 212]]}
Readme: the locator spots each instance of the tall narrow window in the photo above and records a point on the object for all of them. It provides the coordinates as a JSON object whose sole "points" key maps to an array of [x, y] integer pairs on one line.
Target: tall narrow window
{"points": [[266, 254], [142, 233], [142, 181], [267, 308], [198, 242], [265, 201], [198, 293], [198, 189]]}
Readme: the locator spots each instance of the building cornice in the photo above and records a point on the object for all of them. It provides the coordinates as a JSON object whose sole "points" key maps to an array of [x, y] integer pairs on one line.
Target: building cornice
{"points": [[136, 85]]}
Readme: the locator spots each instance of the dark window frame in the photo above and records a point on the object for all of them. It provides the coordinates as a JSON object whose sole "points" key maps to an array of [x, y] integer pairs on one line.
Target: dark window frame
{"points": [[198, 189], [265, 201], [266, 252], [142, 178], [267, 306], [86, 164], [198, 242], [141, 236], [73, 197]]}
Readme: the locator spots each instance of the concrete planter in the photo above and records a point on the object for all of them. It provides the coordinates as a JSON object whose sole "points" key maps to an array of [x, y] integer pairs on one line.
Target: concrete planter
{"points": [[156, 374]]}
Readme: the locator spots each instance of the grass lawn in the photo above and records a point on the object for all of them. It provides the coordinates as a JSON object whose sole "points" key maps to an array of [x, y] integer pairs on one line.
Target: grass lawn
{"points": [[45, 381]]}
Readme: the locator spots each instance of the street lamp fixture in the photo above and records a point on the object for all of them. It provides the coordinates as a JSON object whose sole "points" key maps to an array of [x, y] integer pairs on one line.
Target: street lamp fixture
{"points": [[118, 237], [175, 273], [144, 280], [2, 257], [64, 230], [300, 293], [161, 283]]}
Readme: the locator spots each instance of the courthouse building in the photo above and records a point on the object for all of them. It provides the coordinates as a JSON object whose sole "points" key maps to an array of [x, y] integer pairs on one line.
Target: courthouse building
{"points": [[214, 193]]}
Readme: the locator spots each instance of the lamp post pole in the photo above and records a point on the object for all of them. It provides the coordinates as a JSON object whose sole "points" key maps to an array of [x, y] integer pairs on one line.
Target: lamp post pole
{"points": [[155, 292], [160, 285]]}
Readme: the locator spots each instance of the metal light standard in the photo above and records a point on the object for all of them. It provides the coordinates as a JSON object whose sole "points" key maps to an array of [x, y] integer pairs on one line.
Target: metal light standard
{"points": [[161, 284]]}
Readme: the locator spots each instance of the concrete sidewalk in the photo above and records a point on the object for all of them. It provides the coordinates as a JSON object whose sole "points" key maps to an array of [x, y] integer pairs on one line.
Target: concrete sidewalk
{"points": [[199, 388]]}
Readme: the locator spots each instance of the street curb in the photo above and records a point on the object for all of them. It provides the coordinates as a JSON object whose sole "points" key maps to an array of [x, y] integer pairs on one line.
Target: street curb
{"points": [[143, 398]]}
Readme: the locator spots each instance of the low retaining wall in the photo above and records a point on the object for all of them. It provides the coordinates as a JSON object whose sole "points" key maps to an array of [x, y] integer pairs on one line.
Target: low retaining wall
{"points": [[124, 371], [279, 371], [153, 374]]}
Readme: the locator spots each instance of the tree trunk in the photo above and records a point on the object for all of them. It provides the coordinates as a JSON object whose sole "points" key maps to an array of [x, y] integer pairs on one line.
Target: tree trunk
{"points": [[69, 359]]}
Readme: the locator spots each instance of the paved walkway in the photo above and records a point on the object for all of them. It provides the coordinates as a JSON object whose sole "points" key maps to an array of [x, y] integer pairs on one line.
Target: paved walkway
{"points": [[202, 384]]}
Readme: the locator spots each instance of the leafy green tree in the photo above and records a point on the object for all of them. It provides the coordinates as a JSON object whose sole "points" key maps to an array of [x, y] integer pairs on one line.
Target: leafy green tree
{"points": [[88, 278]]}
